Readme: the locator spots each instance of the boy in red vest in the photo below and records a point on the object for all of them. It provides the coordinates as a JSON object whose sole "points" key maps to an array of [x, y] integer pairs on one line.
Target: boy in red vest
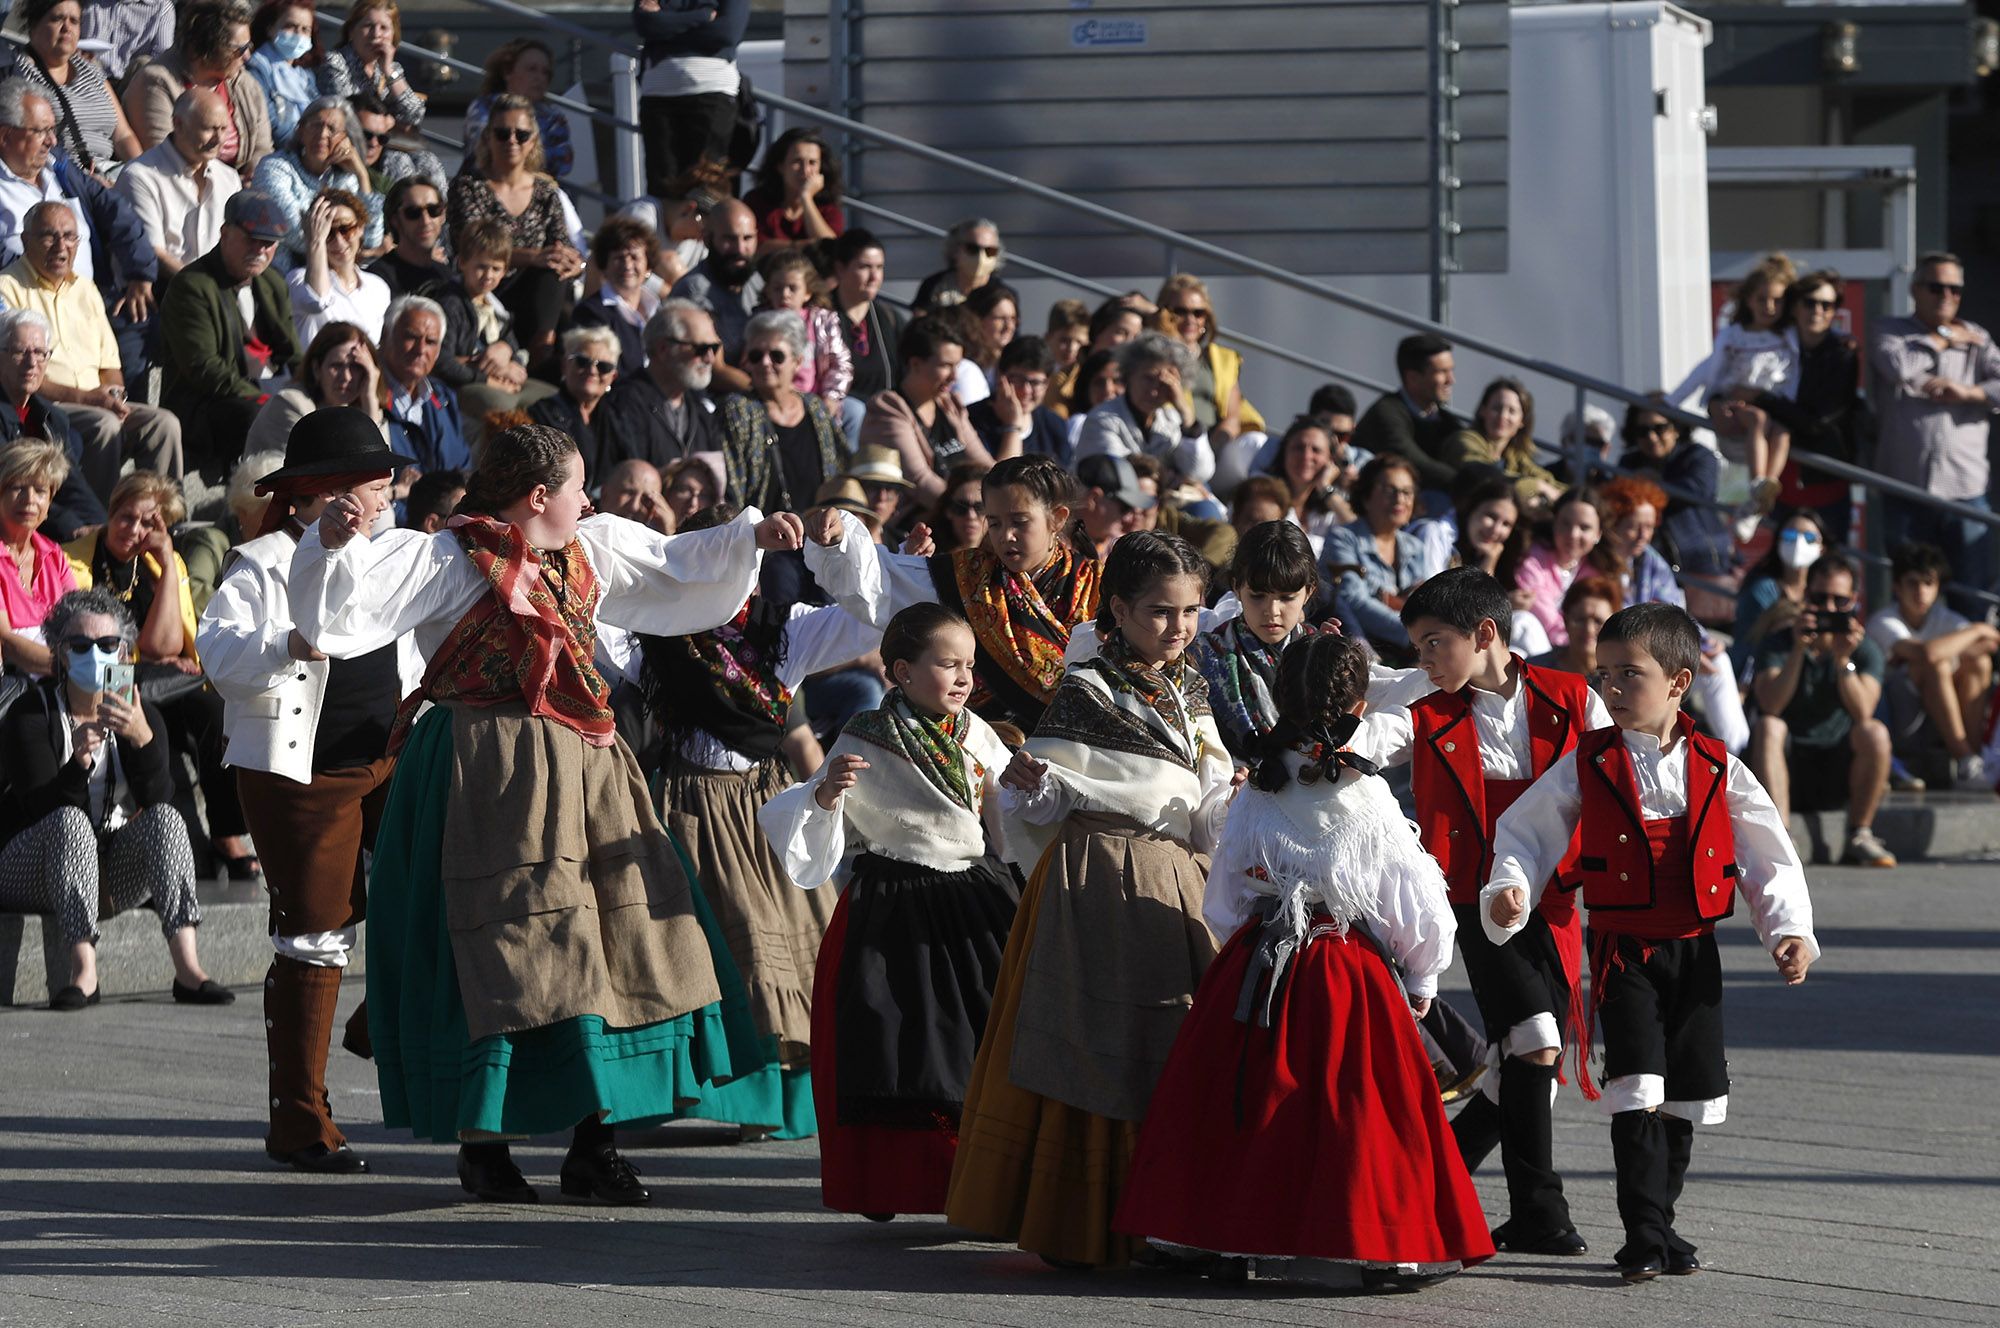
{"points": [[1492, 725], [1672, 829]]}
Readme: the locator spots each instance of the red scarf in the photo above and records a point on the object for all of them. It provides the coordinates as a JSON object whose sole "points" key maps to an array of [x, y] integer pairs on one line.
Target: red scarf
{"points": [[531, 640]]}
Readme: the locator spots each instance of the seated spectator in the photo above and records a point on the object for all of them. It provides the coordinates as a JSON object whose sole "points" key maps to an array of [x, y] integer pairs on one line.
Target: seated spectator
{"points": [[340, 368], [1588, 444], [778, 445], [958, 521], [1067, 334], [387, 163], [1115, 323], [690, 486], [24, 353], [178, 188], [132, 32], [1096, 382], [1374, 562], [91, 128], [424, 418], [1556, 554], [1488, 531], [1503, 434], [414, 219], [1012, 421], [1940, 665], [1775, 589], [1587, 605], [213, 53], [366, 61], [508, 166], [523, 67], [884, 487], [1259, 499], [220, 371], [726, 285], [326, 155], [797, 195], [1306, 467], [285, 34], [1415, 421], [482, 359], [1631, 508], [330, 285], [995, 320], [919, 418], [791, 282], [90, 828], [84, 372], [1235, 428], [589, 373], [622, 250], [1111, 500], [1817, 744], [34, 572], [665, 413], [972, 257], [678, 224], [1695, 536], [871, 328], [433, 499], [968, 381], [632, 490], [1146, 417], [133, 557]]}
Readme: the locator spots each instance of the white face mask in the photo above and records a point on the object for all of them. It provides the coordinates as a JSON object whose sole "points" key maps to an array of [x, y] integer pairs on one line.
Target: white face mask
{"points": [[1798, 549]]}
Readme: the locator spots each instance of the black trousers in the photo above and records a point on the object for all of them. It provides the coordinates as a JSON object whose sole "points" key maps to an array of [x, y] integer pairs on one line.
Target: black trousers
{"points": [[679, 133]]}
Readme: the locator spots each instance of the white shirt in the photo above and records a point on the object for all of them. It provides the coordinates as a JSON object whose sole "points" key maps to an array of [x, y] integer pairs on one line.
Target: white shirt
{"points": [[1110, 426], [365, 306], [18, 195], [181, 210], [1888, 630], [1499, 718], [690, 76]]}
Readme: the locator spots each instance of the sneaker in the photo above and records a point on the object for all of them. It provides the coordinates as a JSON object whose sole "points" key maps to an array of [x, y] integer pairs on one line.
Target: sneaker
{"points": [[1969, 774], [1901, 780], [1865, 850]]}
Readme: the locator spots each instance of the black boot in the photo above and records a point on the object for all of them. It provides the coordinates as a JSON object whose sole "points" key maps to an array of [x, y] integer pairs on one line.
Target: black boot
{"points": [[1476, 1127], [1639, 1151], [595, 1169], [1538, 1221], [1681, 1260], [487, 1172]]}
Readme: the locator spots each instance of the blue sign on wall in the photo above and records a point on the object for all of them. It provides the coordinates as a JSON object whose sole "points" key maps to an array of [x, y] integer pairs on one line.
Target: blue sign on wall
{"points": [[1093, 32]]}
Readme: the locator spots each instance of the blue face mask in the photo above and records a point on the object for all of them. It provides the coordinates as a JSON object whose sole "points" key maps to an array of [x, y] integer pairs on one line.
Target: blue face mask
{"points": [[87, 670], [291, 45]]}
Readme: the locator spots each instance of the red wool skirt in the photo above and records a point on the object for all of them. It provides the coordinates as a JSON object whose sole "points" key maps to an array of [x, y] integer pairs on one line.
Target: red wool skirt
{"points": [[1318, 1137], [868, 1168]]}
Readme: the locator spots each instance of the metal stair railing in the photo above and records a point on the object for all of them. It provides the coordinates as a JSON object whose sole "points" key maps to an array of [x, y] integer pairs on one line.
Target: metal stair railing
{"points": [[625, 96]]}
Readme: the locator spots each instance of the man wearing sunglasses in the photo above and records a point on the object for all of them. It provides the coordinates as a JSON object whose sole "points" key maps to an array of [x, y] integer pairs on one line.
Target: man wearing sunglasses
{"points": [[1936, 385], [413, 214], [178, 187], [664, 413]]}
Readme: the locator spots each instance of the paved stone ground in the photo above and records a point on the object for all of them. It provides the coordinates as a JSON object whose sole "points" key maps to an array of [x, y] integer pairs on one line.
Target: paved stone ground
{"points": [[1858, 1183]]}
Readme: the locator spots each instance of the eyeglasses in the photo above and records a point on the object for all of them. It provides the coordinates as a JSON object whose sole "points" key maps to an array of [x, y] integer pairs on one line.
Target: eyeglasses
{"points": [[982, 250], [33, 354], [1410, 494], [1657, 429], [83, 645], [1944, 287], [1190, 312], [501, 134], [54, 237], [1340, 435], [759, 354], [1820, 306], [46, 133], [964, 507], [379, 139], [697, 347], [240, 50], [1032, 385], [346, 229], [603, 368], [412, 211], [1830, 601]]}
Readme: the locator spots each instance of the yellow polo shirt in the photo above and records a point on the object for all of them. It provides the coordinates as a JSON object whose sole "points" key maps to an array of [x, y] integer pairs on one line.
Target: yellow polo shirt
{"points": [[81, 345]]}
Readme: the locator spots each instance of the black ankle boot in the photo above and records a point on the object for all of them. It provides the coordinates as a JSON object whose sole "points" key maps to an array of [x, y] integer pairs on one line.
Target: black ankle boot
{"points": [[487, 1173]]}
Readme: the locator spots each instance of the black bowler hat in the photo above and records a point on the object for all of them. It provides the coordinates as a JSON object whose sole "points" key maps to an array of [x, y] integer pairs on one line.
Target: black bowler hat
{"points": [[336, 440]]}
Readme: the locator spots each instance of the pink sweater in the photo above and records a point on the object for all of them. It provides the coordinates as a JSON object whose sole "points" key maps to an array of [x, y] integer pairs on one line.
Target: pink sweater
{"points": [[1542, 576]]}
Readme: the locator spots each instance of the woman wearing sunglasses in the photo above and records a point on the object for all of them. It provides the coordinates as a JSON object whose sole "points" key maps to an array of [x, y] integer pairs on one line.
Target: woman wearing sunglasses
{"points": [[1235, 428], [589, 371], [325, 156], [973, 256], [88, 822], [508, 185], [1827, 416], [779, 444]]}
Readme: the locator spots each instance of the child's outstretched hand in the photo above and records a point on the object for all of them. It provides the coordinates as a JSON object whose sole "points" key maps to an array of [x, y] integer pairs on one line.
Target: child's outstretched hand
{"points": [[781, 531], [1509, 907], [824, 526], [1024, 773], [920, 543], [842, 775], [1793, 960]]}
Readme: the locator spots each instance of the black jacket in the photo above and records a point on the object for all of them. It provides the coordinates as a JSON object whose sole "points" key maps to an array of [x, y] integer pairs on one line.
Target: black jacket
{"points": [[38, 780], [461, 337], [632, 423], [560, 412], [74, 506], [1390, 427], [600, 310]]}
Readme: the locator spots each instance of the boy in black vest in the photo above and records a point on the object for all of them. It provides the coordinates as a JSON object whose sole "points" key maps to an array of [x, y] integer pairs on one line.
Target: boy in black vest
{"points": [[1672, 829]]}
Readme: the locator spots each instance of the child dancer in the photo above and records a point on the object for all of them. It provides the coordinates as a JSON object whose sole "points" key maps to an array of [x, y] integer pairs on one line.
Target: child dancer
{"points": [[905, 978], [534, 959], [1672, 828], [1109, 944], [1022, 591], [722, 697], [1493, 724], [1273, 576], [1295, 1118]]}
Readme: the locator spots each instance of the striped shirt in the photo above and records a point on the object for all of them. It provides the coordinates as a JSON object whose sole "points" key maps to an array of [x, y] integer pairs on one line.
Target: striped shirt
{"points": [[86, 116]]}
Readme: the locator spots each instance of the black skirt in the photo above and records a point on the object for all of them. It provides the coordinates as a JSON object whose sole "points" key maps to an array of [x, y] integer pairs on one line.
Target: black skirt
{"points": [[916, 982]]}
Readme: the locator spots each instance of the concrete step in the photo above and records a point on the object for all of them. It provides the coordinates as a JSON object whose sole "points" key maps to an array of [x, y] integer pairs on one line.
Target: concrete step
{"points": [[1915, 826]]}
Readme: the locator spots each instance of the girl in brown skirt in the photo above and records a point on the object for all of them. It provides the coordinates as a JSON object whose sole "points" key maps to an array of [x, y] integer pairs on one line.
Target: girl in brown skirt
{"points": [[1126, 782]]}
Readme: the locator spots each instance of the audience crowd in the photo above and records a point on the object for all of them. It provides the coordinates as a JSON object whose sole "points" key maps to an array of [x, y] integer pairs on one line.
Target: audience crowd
{"points": [[210, 232]]}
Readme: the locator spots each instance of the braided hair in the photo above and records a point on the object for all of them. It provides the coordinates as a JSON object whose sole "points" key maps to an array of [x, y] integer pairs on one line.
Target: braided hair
{"points": [[1320, 677]]}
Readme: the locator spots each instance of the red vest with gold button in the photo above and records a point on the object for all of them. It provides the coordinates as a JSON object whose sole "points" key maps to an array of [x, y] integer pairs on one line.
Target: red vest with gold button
{"points": [[1450, 787], [1616, 866]]}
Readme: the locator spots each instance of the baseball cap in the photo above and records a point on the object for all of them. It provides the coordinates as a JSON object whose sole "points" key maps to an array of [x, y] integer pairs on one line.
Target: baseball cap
{"points": [[257, 213], [1114, 475]]}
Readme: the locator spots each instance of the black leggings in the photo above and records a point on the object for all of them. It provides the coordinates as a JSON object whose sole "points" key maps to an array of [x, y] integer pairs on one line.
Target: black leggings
{"points": [[534, 295], [680, 132]]}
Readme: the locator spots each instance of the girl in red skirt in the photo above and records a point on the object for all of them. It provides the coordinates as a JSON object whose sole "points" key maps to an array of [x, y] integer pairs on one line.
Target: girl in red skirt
{"points": [[1298, 1118]]}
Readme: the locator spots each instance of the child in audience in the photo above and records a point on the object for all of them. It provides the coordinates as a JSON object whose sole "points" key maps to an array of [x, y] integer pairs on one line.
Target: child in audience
{"points": [[792, 282]]}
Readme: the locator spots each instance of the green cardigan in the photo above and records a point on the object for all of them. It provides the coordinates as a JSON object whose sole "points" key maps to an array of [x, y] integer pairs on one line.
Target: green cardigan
{"points": [[202, 337]]}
